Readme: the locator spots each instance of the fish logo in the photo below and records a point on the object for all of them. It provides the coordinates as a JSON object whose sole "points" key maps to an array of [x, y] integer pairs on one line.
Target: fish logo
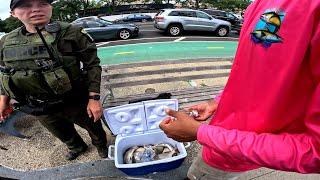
{"points": [[267, 28]]}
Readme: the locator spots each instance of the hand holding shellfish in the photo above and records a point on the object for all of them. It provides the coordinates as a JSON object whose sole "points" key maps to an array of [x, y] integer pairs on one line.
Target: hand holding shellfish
{"points": [[183, 129]]}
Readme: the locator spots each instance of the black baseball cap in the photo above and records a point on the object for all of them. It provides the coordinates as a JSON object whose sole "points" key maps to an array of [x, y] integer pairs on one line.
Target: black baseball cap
{"points": [[14, 3]]}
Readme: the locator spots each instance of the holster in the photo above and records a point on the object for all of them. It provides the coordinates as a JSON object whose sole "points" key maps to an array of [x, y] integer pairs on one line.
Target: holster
{"points": [[38, 108]]}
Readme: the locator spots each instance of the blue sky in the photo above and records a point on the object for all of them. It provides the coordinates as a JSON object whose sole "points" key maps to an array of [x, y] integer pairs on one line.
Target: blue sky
{"points": [[4, 9]]}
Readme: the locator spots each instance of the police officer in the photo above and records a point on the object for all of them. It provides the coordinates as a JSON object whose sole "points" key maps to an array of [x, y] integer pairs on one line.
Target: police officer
{"points": [[52, 70]]}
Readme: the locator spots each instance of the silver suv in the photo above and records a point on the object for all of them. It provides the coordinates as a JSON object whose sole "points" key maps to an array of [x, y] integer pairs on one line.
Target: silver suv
{"points": [[175, 21]]}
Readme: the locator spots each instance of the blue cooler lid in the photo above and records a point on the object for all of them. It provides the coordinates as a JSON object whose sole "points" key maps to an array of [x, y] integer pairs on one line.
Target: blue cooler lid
{"points": [[138, 117]]}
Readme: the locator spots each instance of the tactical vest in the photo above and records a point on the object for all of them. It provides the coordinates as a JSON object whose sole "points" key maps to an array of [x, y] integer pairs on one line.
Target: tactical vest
{"points": [[31, 70]]}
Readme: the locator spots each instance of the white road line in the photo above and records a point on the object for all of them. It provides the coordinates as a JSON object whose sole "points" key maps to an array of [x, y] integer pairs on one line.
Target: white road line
{"points": [[208, 37], [102, 43], [146, 25], [215, 47], [139, 39], [180, 39], [124, 53], [150, 30], [168, 37], [112, 46]]}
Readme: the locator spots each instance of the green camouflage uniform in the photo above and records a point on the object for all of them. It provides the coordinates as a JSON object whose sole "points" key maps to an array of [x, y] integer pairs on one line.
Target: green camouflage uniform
{"points": [[37, 80]]}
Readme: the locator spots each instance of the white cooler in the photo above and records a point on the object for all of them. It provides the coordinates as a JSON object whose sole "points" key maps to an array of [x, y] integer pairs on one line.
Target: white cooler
{"points": [[137, 125]]}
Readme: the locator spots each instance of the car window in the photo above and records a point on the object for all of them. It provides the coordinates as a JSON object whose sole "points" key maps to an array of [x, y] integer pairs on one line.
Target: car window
{"points": [[130, 16], [88, 19], [203, 15], [174, 13], [213, 13], [160, 12], [231, 16], [81, 21], [79, 24], [104, 22], [223, 14], [93, 24], [187, 14]]}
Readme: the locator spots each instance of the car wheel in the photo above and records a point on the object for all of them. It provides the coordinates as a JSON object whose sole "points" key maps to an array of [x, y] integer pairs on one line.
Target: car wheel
{"points": [[222, 31], [144, 20], [175, 30], [124, 34]]}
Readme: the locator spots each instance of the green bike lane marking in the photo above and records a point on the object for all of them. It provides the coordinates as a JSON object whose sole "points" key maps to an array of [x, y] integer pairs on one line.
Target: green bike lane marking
{"points": [[166, 51]]}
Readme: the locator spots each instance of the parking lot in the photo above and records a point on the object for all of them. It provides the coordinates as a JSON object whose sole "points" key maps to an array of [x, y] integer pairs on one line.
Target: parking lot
{"points": [[147, 30], [163, 24]]}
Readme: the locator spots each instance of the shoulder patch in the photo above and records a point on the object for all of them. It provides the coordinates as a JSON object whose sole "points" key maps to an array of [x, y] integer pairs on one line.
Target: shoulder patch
{"points": [[83, 31]]}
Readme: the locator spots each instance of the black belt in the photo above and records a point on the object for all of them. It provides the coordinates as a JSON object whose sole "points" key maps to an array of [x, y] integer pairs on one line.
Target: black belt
{"points": [[39, 107]]}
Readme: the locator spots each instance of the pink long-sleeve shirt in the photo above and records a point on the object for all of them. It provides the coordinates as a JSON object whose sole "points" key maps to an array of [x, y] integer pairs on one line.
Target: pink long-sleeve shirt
{"points": [[269, 112]]}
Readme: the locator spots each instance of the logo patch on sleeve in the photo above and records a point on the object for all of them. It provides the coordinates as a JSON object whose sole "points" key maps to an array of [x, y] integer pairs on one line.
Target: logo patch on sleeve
{"points": [[266, 30]]}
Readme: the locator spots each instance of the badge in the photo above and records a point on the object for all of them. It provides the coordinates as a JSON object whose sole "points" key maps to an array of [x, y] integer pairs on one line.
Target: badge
{"points": [[83, 31]]}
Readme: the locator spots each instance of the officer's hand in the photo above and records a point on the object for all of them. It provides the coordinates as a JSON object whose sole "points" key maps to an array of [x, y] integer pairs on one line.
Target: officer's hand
{"points": [[180, 126], [4, 107], [94, 109], [205, 109]]}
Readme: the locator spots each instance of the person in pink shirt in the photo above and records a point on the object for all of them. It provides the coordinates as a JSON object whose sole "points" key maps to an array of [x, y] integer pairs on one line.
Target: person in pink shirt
{"points": [[269, 112]]}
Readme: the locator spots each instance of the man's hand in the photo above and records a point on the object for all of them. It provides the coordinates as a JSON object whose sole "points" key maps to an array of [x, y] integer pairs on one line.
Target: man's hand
{"points": [[205, 109], [94, 109], [180, 126], [4, 107]]}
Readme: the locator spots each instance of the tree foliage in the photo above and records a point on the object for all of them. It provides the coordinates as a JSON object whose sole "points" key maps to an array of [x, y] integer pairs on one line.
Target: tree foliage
{"points": [[227, 4], [69, 10], [10, 24], [117, 2], [2, 26]]}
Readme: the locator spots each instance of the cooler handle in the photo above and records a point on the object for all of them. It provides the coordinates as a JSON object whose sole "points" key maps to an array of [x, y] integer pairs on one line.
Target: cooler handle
{"points": [[187, 144], [111, 152]]}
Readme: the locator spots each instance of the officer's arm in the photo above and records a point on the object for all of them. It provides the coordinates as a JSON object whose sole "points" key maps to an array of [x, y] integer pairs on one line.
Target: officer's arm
{"points": [[86, 51], [2, 93], [4, 100], [91, 63]]}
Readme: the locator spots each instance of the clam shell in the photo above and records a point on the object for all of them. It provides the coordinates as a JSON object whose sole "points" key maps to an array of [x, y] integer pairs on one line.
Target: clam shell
{"points": [[128, 156]]}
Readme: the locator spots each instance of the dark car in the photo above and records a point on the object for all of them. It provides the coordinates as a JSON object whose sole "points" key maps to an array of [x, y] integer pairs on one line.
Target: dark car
{"points": [[101, 29], [236, 23], [136, 18]]}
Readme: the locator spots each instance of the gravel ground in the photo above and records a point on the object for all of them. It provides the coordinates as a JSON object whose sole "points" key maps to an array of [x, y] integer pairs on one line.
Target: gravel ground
{"points": [[42, 150]]}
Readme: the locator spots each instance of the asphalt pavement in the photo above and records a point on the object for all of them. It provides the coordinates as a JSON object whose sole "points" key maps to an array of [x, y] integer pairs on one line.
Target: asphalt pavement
{"points": [[147, 30], [149, 34]]}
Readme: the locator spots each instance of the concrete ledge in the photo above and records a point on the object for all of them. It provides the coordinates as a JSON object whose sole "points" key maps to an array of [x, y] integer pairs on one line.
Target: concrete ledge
{"points": [[97, 169]]}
